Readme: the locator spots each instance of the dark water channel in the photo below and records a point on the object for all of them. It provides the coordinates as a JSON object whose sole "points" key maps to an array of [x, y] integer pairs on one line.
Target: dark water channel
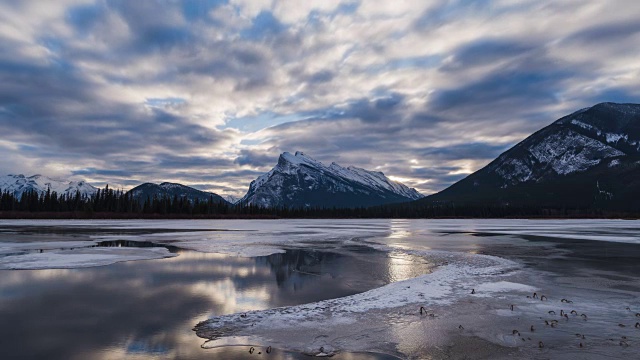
{"points": [[146, 309]]}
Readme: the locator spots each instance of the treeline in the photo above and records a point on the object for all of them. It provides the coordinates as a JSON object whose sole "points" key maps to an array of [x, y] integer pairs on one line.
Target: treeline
{"points": [[450, 210], [105, 201], [108, 203]]}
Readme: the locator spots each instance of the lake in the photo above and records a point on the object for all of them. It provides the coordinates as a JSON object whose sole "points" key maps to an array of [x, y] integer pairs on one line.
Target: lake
{"points": [[137, 289]]}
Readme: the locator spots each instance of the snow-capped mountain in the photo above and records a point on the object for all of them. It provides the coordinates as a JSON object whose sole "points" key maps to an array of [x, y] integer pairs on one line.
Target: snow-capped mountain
{"points": [[300, 181], [19, 184], [591, 156], [231, 199], [170, 190]]}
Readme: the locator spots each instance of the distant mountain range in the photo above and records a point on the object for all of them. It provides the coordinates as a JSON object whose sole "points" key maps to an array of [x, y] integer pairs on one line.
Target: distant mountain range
{"points": [[19, 184], [300, 181], [588, 159], [296, 181], [171, 190]]}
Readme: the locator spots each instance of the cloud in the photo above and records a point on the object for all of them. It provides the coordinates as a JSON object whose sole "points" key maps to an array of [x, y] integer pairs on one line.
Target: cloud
{"points": [[263, 25], [607, 32], [483, 151], [321, 76], [255, 158], [209, 92], [485, 52], [533, 81]]}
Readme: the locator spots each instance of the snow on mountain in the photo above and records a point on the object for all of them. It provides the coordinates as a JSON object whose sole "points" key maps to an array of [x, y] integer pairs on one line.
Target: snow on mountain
{"points": [[19, 184], [299, 180], [572, 162], [575, 143], [560, 153]]}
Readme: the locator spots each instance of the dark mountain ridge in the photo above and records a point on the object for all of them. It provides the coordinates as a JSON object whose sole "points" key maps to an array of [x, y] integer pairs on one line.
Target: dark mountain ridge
{"points": [[170, 190], [588, 159]]}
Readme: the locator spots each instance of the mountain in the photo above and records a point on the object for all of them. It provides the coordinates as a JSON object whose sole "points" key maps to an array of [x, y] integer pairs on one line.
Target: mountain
{"points": [[19, 184], [231, 199], [589, 159], [300, 181], [170, 190]]}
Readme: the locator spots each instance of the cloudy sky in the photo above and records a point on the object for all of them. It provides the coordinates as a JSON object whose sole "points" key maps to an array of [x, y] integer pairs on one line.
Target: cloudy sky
{"points": [[209, 93]]}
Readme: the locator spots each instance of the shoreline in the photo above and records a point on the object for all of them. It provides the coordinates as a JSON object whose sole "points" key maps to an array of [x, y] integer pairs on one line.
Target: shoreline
{"points": [[23, 215], [504, 262]]}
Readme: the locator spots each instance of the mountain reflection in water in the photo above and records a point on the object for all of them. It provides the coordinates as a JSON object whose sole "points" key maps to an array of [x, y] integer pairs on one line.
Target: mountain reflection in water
{"points": [[146, 309]]}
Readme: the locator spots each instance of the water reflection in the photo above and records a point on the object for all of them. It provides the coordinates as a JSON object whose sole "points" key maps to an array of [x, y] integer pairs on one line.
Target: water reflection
{"points": [[402, 266], [399, 229], [146, 309]]}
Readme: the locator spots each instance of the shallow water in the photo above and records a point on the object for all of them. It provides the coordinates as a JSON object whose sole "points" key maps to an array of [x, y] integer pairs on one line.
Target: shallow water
{"points": [[146, 309]]}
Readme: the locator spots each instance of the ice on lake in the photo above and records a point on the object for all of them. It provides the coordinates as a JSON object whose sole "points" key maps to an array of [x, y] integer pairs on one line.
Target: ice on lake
{"points": [[369, 300]]}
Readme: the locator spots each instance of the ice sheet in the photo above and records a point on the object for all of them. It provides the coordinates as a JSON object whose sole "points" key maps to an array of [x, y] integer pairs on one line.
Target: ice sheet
{"points": [[264, 237], [236, 238], [627, 231], [82, 257], [443, 287]]}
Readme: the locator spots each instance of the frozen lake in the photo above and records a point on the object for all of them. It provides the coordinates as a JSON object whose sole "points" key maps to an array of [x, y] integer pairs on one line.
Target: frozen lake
{"points": [[354, 288]]}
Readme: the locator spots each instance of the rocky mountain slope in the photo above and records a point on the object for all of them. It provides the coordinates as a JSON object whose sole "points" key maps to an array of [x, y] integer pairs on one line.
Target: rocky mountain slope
{"points": [[300, 181], [590, 158]]}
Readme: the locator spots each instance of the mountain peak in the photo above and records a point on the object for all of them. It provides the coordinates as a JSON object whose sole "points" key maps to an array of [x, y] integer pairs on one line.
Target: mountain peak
{"points": [[297, 156], [297, 159], [301, 181], [613, 105], [605, 112], [612, 123]]}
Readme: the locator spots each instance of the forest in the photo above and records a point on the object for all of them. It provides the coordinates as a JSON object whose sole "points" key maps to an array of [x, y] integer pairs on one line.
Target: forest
{"points": [[108, 203]]}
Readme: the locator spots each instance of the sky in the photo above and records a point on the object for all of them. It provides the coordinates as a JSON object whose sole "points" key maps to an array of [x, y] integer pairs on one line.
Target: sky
{"points": [[209, 93]]}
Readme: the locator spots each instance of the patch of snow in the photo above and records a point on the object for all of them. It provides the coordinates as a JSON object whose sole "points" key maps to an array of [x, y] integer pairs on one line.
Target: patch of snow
{"points": [[614, 138], [81, 257], [489, 288], [585, 126], [17, 247], [571, 152], [514, 170]]}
